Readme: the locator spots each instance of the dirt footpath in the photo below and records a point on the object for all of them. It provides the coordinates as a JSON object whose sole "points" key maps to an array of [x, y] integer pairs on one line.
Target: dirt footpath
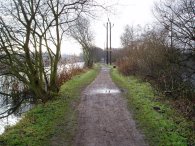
{"points": [[104, 119]]}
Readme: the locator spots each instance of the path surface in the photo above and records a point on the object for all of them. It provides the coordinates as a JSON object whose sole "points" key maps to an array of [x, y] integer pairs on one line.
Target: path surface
{"points": [[104, 119]]}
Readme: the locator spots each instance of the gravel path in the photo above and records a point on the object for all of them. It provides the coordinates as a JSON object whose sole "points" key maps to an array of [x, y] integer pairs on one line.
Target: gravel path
{"points": [[104, 119]]}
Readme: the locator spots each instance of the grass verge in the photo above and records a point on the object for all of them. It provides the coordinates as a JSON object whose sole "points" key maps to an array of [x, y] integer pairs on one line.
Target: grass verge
{"points": [[53, 123], [160, 123]]}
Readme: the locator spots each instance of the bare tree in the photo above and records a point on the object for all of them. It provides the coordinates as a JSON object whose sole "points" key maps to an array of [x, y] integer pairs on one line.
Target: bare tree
{"points": [[97, 54], [31, 35], [178, 17], [82, 34], [128, 36]]}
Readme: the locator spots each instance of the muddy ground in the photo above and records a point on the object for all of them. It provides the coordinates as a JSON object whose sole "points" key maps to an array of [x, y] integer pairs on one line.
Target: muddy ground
{"points": [[104, 119]]}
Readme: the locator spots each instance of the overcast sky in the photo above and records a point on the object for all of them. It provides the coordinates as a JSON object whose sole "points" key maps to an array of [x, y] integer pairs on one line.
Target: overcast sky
{"points": [[132, 12]]}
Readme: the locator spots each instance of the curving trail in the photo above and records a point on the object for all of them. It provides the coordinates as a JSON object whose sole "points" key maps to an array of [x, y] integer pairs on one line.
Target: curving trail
{"points": [[104, 119]]}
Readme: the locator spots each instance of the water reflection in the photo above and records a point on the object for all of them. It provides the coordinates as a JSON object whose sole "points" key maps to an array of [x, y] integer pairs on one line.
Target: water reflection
{"points": [[8, 121], [105, 91], [7, 102], [13, 118]]}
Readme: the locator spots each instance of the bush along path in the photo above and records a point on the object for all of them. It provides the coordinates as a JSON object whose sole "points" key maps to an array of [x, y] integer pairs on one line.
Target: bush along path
{"points": [[51, 124], [104, 119], [162, 125]]}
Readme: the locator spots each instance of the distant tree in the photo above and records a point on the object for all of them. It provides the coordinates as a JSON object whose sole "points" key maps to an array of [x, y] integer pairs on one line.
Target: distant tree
{"points": [[128, 36], [118, 53], [81, 32], [97, 54]]}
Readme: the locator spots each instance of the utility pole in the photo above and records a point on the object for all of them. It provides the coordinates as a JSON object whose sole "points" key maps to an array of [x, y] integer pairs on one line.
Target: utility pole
{"points": [[107, 43], [110, 44], [110, 41]]}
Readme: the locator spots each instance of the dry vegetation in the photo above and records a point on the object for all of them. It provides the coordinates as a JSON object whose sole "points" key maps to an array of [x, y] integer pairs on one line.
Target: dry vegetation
{"points": [[151, 59], [66, 75], [164, 54]]}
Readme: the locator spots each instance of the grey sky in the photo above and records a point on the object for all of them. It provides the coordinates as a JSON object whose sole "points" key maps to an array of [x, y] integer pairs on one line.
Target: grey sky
{"points": [[132, 12]]}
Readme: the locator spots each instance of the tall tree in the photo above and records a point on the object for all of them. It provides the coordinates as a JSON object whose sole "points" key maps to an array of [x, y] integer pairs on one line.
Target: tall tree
{"points": [[81, 32], [178, 17], [30, 40]]}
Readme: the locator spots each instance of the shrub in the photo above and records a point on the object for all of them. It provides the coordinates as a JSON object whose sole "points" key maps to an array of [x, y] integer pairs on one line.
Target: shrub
{"points": [[67, 74], [153, 60]]}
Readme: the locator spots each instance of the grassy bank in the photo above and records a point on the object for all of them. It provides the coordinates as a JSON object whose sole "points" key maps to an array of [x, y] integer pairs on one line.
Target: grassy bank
{"points": [[160, 123], [53, 123]]}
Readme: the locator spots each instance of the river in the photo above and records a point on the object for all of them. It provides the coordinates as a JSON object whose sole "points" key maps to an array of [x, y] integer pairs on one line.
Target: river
{"points": [[5, 104]]}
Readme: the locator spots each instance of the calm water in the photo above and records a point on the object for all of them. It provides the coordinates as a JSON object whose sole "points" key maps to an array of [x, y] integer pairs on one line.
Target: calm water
{"points": [[4, 104], [11, 120], [14, 118]]}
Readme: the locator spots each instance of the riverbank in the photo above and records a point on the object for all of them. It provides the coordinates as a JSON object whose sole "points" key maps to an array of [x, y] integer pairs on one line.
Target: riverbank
{"points": [[52, 122], [65, 73], [161, 124]]}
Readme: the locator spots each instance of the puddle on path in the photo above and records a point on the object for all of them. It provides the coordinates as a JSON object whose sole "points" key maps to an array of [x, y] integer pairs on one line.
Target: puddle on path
{"points": [[105, 91], [105, 70]]}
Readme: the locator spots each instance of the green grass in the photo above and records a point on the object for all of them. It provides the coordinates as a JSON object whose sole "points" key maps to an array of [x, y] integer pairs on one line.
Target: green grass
{"points": [[53, 122], [164, 127]]}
